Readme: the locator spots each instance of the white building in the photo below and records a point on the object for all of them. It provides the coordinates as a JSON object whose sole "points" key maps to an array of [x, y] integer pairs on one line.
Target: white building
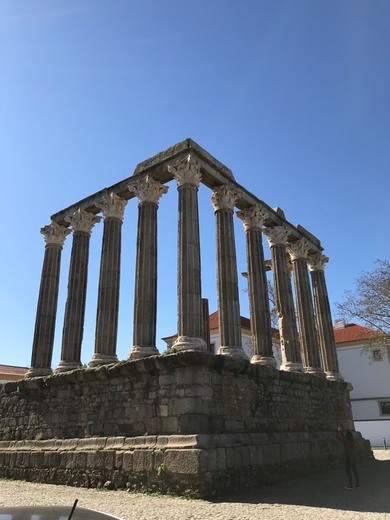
{"points": [[11, 373], [368, 370], [246, 338]]}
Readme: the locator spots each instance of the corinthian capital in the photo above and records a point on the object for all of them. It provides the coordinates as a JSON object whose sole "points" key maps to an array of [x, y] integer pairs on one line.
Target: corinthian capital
{"points": [[223, 197], [82, 221], [277, 235], [298, 249], [253, 217], [55, 234], [317, 262], [112, 206], [148, 190], [186, 172]]}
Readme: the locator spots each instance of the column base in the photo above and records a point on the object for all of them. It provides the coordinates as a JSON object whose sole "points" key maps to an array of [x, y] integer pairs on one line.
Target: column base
{"points": [[237, 352], [138, 352], [314, 371], [189, 343], [334, 376], [102, 359], [38, 372], [265, 361], [66, 366], [290, 366]]}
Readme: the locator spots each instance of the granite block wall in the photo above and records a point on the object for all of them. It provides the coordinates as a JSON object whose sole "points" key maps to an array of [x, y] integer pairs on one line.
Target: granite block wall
{"points": [[190, 422]]}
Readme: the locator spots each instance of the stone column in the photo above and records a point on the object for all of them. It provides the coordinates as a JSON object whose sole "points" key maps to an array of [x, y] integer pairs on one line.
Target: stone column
{"points": [[291, 356], [206, 322], [188, 176], [42, 350], [324, 318], [223, 200], [112, 208], [148, 192], [82, 223], [307, 331], [260, 316]]}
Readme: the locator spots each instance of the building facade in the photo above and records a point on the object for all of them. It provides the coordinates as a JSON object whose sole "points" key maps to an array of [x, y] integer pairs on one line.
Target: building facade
{"points": [[246, 336], [367, 368], [11, 373]]}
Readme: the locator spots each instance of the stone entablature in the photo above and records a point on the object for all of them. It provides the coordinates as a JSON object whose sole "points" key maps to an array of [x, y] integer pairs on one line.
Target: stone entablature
{"points": [[213, 173]]}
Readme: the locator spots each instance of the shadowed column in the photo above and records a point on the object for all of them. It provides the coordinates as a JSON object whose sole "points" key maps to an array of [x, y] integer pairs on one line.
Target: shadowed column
{"points": [[189, 325], [324, 318], [72, 335], [148, 192], [307, 331], [260, 317], [223, 200], [291, 356], [112, 208], [206, 322], [42, 350]]}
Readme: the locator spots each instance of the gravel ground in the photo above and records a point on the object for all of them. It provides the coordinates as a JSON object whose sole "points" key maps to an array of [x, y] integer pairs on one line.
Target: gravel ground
{"points": [[320, 496]]}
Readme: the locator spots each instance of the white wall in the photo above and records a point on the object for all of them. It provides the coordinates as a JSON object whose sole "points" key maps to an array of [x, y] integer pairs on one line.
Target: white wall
{"points": [[367, 410], [375, 431], [369, 378], [247, 347], [246, 343], [371, 382]]}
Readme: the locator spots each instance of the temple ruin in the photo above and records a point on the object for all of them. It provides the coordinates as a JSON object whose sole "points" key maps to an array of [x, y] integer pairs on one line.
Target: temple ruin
{"points": [[188, 422]]}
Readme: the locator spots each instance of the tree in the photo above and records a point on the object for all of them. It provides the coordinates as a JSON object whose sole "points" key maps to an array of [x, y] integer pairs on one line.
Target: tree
{"points": [[369, 303], [272, 302]]}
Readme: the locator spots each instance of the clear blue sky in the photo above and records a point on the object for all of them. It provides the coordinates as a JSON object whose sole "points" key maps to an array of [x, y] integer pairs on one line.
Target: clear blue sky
{"points": [[293, 96]]}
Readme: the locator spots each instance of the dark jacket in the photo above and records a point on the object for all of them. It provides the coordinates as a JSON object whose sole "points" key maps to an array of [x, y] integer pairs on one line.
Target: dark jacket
{"points": [[349, 446]]}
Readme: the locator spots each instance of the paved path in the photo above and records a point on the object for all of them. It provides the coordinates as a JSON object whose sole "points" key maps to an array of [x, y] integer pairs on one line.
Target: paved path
{"points": [[320, 496]]}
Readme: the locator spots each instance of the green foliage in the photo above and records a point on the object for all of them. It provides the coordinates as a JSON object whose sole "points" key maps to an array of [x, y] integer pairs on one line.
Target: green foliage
{"points": [[161, 470], [171, 350]]}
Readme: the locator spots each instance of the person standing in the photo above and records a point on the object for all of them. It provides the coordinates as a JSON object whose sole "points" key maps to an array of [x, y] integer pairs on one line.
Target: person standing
{"points": [[350, 456]]}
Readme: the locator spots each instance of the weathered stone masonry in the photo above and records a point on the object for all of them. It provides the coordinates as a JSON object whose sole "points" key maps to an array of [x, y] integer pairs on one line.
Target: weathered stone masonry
{"points": [[188, 422], [191, 422]]}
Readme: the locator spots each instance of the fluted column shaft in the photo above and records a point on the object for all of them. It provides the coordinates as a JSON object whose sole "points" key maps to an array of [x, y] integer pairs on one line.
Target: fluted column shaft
{"points": [[42, 350], [307, 329], [223, 200], [112, 207], [189, 324], [206, 322], [145, 293], [291, 356], [260, 316], [72, 336], [324, 318]]}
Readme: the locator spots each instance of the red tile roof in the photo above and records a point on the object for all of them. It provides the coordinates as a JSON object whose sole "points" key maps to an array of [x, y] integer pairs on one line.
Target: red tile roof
{"points": [[348, 333], [12, 370], [351, 332], [214, 318], [245, 323]]}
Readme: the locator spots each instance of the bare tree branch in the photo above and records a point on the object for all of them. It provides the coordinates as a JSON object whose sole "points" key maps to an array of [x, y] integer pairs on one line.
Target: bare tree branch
{"points": [[369, 303]]}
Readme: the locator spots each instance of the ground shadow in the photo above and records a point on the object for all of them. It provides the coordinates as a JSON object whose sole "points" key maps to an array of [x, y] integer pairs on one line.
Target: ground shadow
{"points": [[326, 490]]}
